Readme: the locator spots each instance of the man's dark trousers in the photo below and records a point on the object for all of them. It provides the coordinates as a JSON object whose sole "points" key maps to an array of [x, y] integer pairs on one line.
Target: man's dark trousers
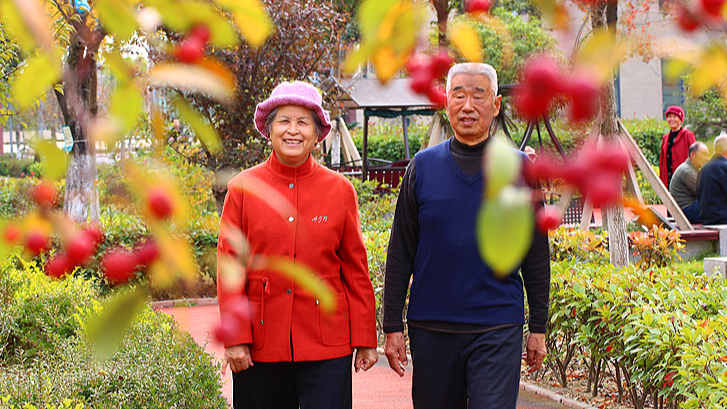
{"points": [[451, 368]]}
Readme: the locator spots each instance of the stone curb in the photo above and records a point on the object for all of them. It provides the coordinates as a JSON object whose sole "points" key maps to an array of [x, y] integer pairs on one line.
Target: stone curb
{"points": [[183, 302], [571, 403]]}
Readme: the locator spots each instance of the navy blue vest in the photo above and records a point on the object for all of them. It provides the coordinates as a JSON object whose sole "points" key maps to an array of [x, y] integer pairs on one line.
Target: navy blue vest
{"points": [[451, 283]]}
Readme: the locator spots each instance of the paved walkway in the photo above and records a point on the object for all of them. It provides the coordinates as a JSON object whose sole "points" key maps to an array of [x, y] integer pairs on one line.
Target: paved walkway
{"points": [[377, 388]]}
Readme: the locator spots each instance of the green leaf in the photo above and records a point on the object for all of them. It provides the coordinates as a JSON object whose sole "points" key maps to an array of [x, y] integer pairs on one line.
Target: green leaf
{"points": [[502, 166], [505, 230], [371, 14], [126, 105], [117, 65], [53, 160], [37, 76], [106, 330], [251, 18], [117, 18], [205, 132]]}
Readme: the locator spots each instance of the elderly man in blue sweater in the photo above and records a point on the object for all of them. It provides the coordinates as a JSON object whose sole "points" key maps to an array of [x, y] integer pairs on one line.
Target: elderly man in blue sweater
{"points": [[465, 325]]}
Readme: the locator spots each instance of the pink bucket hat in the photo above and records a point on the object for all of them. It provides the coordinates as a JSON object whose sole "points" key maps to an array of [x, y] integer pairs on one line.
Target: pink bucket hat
{"points": [[676, 111], [293, 93]]}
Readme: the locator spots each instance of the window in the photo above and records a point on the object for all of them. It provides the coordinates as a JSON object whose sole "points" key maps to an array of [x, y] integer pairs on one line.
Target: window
{"points": [[672, 92]]}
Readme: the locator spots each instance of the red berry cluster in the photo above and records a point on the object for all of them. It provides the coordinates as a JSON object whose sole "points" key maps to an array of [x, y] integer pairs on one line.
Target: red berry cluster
{"points": [[191, 49], [159, 204], [707, 12], [426, 73], [78, 250], [597, 173], [44, 195], [119, 265], [543, 82], [236, 313]]}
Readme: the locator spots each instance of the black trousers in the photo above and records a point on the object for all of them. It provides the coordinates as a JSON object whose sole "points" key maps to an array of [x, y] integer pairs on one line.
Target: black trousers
{"points": [[292, 385], [459, 371]]}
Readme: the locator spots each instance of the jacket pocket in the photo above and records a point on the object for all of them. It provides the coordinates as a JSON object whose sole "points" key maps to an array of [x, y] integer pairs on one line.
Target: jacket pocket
{"points": [[257, 289], [336, 326]]}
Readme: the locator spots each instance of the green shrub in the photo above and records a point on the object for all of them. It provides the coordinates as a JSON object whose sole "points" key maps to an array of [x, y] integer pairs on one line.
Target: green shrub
{"points": [[568, 243], [10, 166], [386, 139], [648, 133], [155, 366]]}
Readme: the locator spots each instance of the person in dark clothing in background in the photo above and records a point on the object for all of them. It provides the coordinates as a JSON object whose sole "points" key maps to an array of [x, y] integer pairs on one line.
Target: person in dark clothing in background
{"points": [[465, 326], [683, 185], [674, 144], [712, 185]]}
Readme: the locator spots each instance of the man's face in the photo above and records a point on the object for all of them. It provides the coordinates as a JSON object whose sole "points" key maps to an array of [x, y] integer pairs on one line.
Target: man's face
{"points": [[471, 107], [674, 122], [701, 156]]}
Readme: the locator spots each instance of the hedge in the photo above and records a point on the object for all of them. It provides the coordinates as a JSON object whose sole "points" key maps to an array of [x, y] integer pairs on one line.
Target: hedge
{"points": [[48, 364]]}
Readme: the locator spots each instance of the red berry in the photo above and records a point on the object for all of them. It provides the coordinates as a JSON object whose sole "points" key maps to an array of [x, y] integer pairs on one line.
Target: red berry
{"points": [[421, 81], [146, 253], [686, 20], [713, 7], [11, 234], [417, 62], [528, 105], [190, 50], [544, 168], [229, 326], [95, 232], [614, 159], [58, 267], [547, 219], [36, 242], [44, 195], [583, 94], [159, 203], [201, 32], [81, 248], [542, 78], [440, 63], [437, 96], [119, 266], [603, 188], [478, 6]]}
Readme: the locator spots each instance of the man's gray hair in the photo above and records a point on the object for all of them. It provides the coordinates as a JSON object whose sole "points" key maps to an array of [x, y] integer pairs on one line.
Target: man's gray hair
{"points": [[274, 112], [474, 68], [720, 145], [693, 148]]}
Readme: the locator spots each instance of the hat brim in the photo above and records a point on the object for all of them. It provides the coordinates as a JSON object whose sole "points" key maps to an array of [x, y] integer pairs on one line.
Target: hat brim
{"points": [[264, 108]]}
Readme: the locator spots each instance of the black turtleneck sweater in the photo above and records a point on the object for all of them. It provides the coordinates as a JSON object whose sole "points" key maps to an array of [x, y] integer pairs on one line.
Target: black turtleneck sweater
{"points": [[535, 268]]}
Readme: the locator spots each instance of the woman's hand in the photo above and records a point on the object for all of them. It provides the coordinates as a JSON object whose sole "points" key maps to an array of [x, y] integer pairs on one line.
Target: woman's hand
{"points": [[365, 358], [238, 357]]}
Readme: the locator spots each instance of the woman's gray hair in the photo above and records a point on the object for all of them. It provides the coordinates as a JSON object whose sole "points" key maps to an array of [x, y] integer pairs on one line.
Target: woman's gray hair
{"points": [[274, 112], [474, 68]]}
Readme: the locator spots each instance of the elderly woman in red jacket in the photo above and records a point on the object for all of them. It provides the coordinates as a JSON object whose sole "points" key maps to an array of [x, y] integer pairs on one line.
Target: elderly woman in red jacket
{"points": [[674, 144], [288, 353]]}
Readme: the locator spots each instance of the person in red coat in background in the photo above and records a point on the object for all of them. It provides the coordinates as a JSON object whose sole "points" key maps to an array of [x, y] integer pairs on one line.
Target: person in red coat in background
{"points": [[288, 353], [674, 144]]}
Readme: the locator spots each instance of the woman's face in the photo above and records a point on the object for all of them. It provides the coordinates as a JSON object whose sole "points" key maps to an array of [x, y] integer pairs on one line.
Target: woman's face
{"points": [[674, 122], [293, 134]]}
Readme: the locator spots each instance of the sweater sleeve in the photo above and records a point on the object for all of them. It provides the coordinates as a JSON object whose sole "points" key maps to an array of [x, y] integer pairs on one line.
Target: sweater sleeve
{"points": [[401, 252], [356, 280], [230, 274]]}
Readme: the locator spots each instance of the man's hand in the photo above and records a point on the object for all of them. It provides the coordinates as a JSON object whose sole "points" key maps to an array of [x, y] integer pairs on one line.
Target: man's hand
{"points": [[395, 350], [365, 358], [536, 352], [238, 357]]}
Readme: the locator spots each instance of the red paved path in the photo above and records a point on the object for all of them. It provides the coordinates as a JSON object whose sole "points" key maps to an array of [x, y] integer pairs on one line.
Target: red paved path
{"points": [[377, 388]]}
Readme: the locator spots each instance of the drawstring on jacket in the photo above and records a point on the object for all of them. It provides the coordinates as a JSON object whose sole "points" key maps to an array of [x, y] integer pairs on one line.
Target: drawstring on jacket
{"points": [[265, 290]]}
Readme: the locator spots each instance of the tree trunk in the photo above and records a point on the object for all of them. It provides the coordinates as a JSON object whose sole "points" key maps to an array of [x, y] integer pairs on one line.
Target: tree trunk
{"points": [[615, 218], [78, 104], [442, 15]]}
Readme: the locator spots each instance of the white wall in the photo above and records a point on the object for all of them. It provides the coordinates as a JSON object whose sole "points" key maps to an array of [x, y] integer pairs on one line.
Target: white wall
{"points": [[640, 88]]}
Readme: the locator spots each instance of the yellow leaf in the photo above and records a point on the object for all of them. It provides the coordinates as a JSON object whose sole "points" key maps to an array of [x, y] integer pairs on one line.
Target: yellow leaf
{"points": [[126, 105], [16, 26], [554, 13], [711, 69], [467, 42], [205, 132], [386, 63], [251, 18], [108, 329], [169, 11], [264, 192], [36, 77], [601, 54], [302, 275], [53, 160], [117, 65], [176, 260], [117, 18], [193, 77], [674, 68], [222, 32], [357, 57]]}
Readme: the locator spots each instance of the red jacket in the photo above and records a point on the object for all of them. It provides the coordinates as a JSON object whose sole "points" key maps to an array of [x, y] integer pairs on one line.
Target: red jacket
{"points": [[322, 231], [679, 152]]}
